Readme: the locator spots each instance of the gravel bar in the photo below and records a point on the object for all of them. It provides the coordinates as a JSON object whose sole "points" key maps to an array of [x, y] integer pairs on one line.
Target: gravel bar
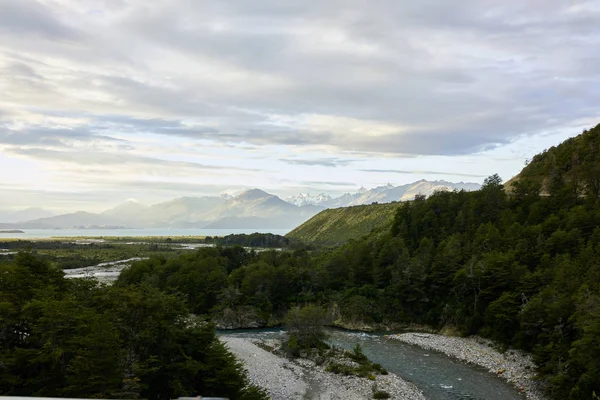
{"points": [[302, 379], [514, 366]]}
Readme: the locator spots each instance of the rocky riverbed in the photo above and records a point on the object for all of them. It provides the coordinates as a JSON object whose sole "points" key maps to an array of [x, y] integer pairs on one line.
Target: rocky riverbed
{"points": [[293, 379], [106, 272], [514, 366]]}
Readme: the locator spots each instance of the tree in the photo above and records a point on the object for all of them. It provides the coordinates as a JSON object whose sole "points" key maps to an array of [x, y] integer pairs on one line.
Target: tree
{"points": [[305, 326], [92, 341]]}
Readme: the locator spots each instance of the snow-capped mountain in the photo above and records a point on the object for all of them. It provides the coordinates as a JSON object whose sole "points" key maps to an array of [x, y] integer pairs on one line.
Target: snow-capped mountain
{"points": [[304, 199], [251, 209], [389, 193]]}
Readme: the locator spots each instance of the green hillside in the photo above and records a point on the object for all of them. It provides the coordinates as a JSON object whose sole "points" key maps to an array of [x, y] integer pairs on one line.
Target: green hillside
{"points": [[573, 166], [338, 225]]}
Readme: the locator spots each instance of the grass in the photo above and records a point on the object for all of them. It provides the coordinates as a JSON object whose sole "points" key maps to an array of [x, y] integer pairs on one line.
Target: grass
{"points": [[336, 226], [132, 239], [68, 255]]}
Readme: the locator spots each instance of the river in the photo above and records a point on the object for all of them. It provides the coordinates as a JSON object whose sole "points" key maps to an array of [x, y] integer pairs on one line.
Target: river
{"points": [[438, 376]]}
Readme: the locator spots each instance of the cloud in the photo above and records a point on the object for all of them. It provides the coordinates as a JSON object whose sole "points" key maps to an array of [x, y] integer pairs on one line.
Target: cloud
{"points": [[87, 84], [323, 162], [178, 187], [115, 159], [418, 172], [443, 79], [33, 18], [327, 183]]}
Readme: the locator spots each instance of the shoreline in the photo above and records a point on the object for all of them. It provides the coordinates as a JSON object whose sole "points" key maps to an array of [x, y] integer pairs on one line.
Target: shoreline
{"points": [[514, 366], [298, 379]]}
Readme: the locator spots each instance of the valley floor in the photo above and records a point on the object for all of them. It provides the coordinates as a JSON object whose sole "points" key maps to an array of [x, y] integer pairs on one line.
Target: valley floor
{"points": [[302, 379]]}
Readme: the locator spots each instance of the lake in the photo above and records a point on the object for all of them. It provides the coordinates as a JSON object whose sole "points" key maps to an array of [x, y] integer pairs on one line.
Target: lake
{"points": [[48, 233]]}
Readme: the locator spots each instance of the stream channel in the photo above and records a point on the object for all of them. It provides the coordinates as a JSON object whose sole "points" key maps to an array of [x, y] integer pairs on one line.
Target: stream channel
{"points": [[437, 375]]}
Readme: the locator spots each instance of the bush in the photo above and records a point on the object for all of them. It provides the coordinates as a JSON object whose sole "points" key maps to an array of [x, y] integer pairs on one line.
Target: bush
{"points": [[305, 328], [358, 355], [381, 394], [340, 369]]}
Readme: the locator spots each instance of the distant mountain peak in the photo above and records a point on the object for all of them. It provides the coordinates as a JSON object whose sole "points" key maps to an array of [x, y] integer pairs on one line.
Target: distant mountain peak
{"points": [[253, 206], [252, 194], [127, 207], [305, 199], [384, 194], [25, 214]]}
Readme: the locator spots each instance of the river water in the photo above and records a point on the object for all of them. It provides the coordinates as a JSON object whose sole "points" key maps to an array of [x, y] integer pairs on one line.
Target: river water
{"points": [[438, 376]]}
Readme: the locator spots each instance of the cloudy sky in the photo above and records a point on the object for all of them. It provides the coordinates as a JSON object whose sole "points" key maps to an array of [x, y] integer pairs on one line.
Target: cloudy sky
{"points": [[105, 100]]}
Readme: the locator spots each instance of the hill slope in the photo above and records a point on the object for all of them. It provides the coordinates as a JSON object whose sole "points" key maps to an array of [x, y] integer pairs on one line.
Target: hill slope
{"points": [[338, 225], [574, 165]]}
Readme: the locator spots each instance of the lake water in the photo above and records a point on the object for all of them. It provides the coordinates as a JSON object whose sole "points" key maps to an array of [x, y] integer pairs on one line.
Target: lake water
{"points": [[48, 233]]}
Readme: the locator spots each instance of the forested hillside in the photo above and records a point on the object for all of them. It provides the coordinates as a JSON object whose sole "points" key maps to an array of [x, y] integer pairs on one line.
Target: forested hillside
{"points": [[523, 269], [573, 166]]}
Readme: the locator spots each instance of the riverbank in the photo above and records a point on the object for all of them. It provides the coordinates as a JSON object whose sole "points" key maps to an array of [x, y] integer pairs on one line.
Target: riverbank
{"points": [[106, 272], [298, 379], [514, 366]]}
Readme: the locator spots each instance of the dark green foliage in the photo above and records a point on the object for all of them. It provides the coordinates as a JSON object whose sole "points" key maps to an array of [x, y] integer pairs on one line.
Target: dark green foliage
{"points": [[340, 369], [250, 240], [305, 327], [364, 369], [74, 338], [522, 268], [381, 394], [566, 171], [357, 355], [200, 276]]}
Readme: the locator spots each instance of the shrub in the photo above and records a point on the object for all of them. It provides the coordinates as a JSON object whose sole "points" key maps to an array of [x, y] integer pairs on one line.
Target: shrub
{"points": [[381, 394], [306, 327], [340, 369]]}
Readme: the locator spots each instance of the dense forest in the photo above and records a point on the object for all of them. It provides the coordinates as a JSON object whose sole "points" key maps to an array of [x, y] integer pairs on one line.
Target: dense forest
{"points": [[522, 268], [75, 338]]}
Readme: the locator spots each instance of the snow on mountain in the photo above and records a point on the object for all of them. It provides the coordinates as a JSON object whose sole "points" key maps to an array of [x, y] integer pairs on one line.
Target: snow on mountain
{"points": [[383, 194], [244, 210], [304, 199]]}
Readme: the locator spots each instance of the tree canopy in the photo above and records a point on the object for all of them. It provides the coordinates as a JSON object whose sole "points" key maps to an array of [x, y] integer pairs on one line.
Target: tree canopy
{"points": [[74, 338]]}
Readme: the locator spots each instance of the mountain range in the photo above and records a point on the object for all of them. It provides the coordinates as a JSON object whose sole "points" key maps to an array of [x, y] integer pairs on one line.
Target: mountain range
{"points": [[252, 209], [24, 215]]}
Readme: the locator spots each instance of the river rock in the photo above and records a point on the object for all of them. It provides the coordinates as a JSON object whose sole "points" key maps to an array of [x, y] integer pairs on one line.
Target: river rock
{"points": [[514, 366], [301, 379]]}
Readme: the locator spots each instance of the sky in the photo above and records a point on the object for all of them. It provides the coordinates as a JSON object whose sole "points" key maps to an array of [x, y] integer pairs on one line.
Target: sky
{"points": [[107, 100]]}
